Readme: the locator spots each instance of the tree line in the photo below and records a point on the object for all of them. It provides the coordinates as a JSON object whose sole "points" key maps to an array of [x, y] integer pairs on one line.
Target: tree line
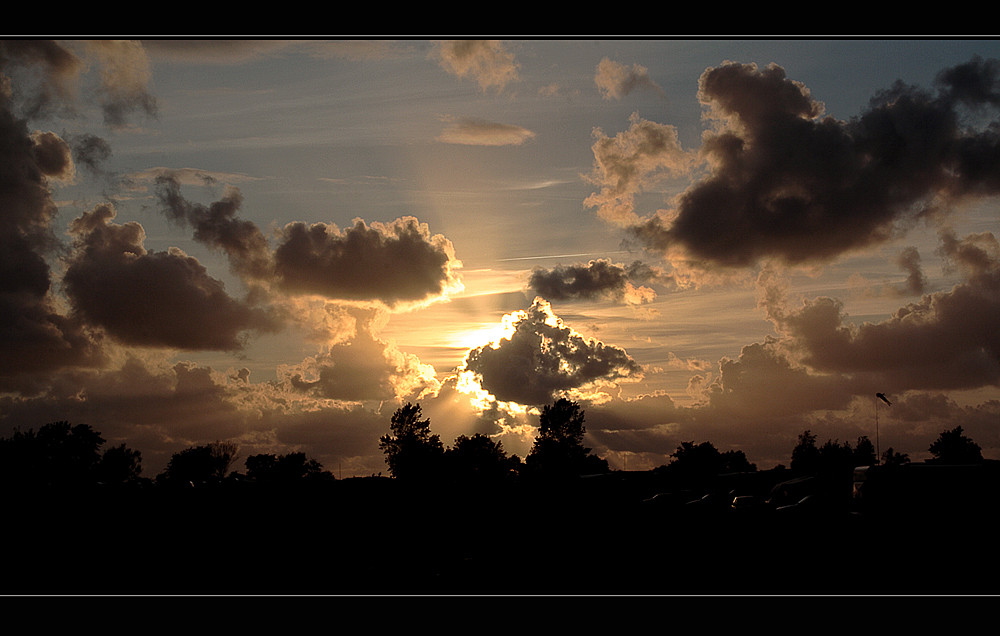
{"points": [[61, 455]]}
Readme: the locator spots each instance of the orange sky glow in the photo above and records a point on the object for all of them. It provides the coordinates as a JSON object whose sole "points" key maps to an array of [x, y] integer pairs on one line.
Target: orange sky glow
{"points": [[278, 243]]}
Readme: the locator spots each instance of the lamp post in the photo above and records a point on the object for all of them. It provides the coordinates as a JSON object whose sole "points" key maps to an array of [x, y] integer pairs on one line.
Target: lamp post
{"points": [[878, 450]]}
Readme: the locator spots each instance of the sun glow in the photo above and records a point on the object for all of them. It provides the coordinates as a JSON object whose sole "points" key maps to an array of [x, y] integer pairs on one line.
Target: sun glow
{"points": [[485, 333]]}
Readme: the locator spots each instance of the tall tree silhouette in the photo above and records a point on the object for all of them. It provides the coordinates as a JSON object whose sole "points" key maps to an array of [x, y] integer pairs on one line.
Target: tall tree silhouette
{"points": [[558, 450], [952, 447], [411, 451], [805, 455]]}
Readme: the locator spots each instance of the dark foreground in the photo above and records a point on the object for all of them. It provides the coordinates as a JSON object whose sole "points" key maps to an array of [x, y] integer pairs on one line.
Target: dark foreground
{"points": [[375, 537]]}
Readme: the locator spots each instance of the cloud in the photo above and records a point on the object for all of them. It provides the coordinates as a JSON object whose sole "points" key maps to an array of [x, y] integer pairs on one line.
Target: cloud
{"points": [[599, 278], [125, 76], [472, 132], [788, 183], [397, 262], [542, 358], [946, 340], [909, 261], [47, 70], [486, 61], [615, 80], [90, 151], [360, 366], [155, 299], [218, 226], [393, 263], [36, 337], [627, 164]]}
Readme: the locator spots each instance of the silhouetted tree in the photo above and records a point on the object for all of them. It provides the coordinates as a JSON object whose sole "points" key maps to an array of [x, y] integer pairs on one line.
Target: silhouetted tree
{"points": [[411, 451], [288, 469], [694, 464], [119, 465], [735, 461], [952, 447], [805, 455], [479, 458], [832, 456], [558, 450], [200, 464], [892, 458], [58, 454], [864, 452]]}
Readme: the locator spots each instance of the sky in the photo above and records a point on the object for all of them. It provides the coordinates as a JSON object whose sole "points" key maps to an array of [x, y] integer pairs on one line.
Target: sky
{"points": [[280, 242]]}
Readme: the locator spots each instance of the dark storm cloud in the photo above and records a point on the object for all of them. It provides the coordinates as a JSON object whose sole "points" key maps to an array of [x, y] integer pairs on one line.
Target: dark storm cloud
{"points": [[391, 262], [158, 299], [790, 184], [947, 340], [35, 337], [543, 357], [599, 278]]}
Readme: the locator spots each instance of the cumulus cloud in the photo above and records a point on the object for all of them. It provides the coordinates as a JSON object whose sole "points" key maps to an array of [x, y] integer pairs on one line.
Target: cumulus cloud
{"points": [[615, 80], [542, 358], [598, 278], [150, 298], [946, 340], [393, 263], [486, 61], [35, 335], [359, 366], [630, 162], [788, 183], [474, 132], [397, 262]]}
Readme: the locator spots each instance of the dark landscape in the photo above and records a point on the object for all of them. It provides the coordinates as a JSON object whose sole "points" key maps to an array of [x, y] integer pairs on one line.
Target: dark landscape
{"points": [[466, 529]]}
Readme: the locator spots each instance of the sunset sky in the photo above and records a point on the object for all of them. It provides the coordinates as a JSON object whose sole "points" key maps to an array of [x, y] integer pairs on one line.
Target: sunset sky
{"points": [[278, 243]]}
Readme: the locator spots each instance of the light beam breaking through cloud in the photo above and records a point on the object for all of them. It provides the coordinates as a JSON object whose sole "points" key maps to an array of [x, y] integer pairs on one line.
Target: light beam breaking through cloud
{"points": [[171, 287]]}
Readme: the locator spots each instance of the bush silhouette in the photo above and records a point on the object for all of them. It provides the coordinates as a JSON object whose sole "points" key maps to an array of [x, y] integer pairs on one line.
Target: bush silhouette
{"points": [[63, 455]]}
